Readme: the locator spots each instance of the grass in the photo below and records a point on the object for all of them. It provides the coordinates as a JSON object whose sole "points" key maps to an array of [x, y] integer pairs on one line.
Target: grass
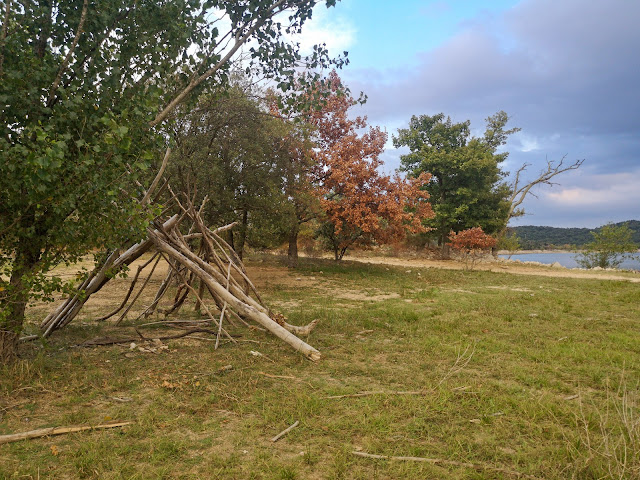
{"points": [[550, 388]]}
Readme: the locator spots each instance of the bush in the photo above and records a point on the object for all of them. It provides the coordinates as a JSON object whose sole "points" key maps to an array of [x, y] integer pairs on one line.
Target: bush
{"points": [[609, 248], [472, 244]]}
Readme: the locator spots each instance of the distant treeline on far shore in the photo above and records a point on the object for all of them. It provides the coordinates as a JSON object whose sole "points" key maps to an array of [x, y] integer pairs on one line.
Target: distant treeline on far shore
{"points": [[537, 238]]}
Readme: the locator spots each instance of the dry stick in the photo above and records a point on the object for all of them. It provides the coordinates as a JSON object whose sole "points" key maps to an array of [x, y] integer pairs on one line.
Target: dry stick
{"points": [[475, 466], [131, 287], [207, 241], [175, 322], [189, 259], [208, 312], [154, 184], [223, 309], [116, 341], [242, 271], [284, 432], [67, 311], [159, 294], [46, 432], [378, 392], [124, 314], [65, 62]]}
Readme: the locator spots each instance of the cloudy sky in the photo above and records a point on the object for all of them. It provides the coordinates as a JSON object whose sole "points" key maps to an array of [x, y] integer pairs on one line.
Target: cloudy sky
{"points": [[567, 72]]}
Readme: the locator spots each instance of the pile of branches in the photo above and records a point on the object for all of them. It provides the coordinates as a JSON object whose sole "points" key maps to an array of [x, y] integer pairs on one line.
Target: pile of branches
{"points": [[200, 262]]}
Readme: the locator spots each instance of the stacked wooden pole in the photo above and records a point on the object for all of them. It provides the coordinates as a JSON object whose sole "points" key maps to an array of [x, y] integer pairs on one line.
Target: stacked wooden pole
{"points": [[210, 267]]}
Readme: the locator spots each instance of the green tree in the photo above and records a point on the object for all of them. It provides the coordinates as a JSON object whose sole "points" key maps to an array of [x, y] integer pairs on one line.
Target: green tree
{"points": [[509, 242], [467, 187], [231, 150], [83, 86], [611, 245]]}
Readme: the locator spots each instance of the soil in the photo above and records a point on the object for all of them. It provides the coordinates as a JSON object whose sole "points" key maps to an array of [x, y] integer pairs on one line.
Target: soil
{"points": [[500, 266]]}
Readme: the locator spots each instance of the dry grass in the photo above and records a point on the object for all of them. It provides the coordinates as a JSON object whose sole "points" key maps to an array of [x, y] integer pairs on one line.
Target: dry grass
{"points": [[541, 395]]}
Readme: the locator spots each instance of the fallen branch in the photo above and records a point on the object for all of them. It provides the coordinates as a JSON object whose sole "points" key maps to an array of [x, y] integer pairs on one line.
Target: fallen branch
{"points": [[285, 431], [378, 392], [46, 432], [442, 461], [116, 341]]}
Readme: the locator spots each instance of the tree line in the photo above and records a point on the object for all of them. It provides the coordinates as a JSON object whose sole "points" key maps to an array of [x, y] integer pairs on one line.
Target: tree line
{"points": [[533, 237]]}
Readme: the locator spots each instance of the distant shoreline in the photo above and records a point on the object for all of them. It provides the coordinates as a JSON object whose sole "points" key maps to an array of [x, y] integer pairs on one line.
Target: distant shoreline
{"points": [[527, 252]]}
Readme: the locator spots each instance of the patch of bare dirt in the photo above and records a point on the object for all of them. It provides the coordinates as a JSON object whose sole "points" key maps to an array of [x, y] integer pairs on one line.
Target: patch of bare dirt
{"points": [[506, 267]]}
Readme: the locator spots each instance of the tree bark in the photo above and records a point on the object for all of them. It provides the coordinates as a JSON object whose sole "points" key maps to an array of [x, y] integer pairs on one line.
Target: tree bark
{"points": [[292, 253], [13, 302]]}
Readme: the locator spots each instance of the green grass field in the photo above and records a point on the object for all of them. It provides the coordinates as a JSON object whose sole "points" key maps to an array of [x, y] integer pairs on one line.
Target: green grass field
{"points": [[509, 376]]}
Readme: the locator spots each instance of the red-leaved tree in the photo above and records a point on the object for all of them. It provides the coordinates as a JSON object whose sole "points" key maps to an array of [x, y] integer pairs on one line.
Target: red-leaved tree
{"points": [[360, 204], [472, 244]]}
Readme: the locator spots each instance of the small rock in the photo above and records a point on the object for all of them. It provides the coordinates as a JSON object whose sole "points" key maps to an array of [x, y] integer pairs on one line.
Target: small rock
{"points": [[557, 265]]}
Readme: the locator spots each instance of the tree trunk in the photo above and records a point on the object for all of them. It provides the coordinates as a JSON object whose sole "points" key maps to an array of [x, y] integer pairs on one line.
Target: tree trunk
{"points": [[292, 253], [14, 301], [242, 234]]}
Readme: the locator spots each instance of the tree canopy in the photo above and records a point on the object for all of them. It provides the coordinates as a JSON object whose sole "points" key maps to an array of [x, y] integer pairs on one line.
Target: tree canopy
{"points": [[467, 187]]}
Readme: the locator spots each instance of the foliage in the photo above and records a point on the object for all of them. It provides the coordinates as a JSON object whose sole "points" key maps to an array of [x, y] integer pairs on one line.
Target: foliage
{"points": [[360, 204], [467, 187], [472, 244], [537, 237], [82, 86], [610, 246], [509, 242], [231, 151]]}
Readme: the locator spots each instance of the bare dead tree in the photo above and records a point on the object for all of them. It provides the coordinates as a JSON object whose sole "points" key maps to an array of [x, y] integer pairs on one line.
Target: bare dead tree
{"points": [[519, 191]]}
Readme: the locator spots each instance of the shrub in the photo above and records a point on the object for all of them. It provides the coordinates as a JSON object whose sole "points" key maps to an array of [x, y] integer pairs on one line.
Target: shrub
{"points": [[471, 244]]}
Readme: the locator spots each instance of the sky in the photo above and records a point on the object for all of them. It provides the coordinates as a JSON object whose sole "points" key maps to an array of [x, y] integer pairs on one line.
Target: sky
{"points": [[567, 73]]}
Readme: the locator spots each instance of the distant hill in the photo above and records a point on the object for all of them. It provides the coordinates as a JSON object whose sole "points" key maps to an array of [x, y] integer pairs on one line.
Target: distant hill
{"points": [[534, 237]]}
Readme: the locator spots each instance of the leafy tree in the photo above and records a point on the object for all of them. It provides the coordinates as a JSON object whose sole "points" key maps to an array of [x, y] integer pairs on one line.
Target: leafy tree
{"points": [[466, 187], [509, 242], [472, 244], [610, 246], [232, 151], [359, 204], [83, 86]]}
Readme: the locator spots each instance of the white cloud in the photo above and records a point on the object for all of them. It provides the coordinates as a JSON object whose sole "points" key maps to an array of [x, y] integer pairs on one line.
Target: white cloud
{"points": [[610, 190], [336, 32]]}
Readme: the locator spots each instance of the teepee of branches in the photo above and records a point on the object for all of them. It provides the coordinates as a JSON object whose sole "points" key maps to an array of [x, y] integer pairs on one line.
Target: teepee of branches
{"points": [[200, 262]]}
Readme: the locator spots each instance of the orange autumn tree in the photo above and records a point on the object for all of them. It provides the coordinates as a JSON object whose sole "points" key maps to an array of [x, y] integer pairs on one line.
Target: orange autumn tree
{"points": [[472, 244], [360, 204]]}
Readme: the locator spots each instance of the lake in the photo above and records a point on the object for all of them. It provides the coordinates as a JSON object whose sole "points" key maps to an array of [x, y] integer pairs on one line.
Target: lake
{"points": [[566, 259]]}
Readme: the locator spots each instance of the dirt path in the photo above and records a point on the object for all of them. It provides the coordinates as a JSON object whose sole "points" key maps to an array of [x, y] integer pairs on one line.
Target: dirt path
{"points": [[506, 267]]}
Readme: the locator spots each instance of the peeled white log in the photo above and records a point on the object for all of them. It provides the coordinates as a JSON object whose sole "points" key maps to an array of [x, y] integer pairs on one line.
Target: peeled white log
{"points": [[242, 308], [95, 281]]}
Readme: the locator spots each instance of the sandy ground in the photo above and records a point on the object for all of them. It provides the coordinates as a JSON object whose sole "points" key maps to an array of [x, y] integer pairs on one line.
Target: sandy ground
{"points": [[500, 266]]}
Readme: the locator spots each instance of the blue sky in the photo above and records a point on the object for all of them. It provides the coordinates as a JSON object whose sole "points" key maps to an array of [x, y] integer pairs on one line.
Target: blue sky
{"points": [[567, 72]]}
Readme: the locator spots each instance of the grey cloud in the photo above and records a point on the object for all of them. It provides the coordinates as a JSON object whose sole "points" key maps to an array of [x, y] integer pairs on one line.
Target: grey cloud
{"points": [[567, 72]]}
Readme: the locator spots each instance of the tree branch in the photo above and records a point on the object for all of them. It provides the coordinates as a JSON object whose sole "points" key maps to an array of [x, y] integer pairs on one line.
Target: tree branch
{"points": [[3, 35], [240, 41], [65, 62]]}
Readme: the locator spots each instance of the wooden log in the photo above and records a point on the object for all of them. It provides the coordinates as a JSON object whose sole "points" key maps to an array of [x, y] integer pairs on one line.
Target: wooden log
{"points": [[242, 308], [47, 432], [96, 280]]}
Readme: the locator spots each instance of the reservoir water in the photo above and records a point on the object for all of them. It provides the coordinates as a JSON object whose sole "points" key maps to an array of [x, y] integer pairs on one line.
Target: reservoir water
{"points": [[566, 259]]}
